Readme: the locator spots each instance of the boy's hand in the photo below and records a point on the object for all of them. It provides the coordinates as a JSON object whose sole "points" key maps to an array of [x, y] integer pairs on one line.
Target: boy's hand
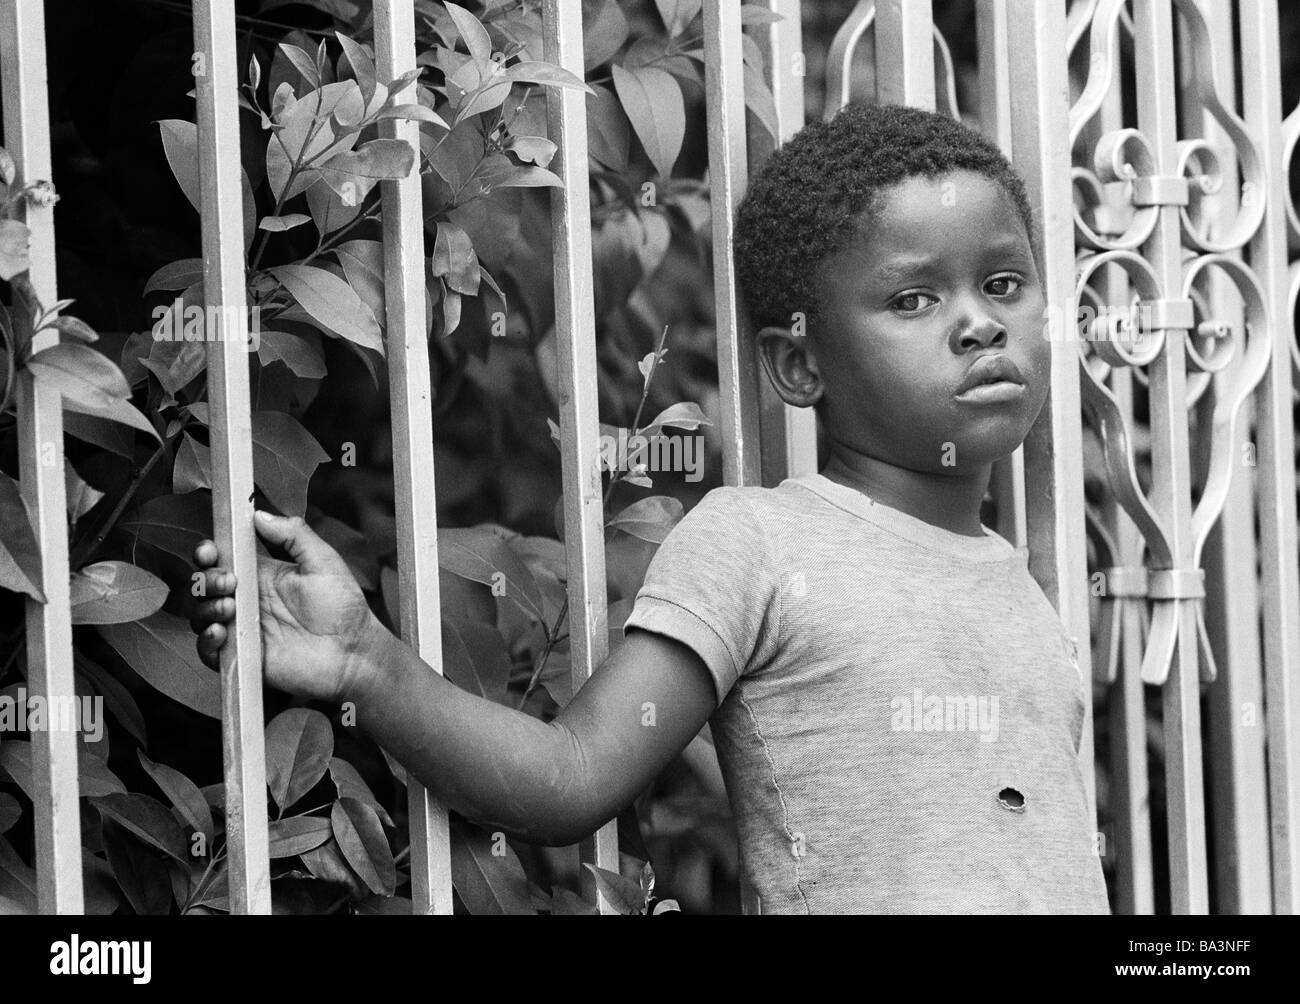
{"points": [[315, 622]]}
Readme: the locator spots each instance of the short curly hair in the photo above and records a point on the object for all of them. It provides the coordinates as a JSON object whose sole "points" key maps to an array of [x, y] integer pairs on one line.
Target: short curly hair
{"points": [[802, 206]]}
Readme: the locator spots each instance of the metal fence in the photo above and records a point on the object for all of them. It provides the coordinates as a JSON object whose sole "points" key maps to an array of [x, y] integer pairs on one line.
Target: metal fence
{"points": [[1167, 229]]}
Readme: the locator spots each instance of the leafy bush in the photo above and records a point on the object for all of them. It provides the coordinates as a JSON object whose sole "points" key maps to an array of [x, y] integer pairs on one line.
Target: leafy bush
{"points": [[312, 157]]}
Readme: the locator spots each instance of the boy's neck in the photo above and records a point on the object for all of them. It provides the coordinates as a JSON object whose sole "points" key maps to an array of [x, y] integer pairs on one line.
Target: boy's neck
{"points": [[949, 501]]}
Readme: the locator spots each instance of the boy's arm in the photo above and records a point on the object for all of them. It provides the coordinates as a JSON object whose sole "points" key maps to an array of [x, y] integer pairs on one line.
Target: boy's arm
{"points": [[545, 783]]}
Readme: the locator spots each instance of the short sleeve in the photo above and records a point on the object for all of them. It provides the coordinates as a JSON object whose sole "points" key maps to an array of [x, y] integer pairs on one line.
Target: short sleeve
{"points": [[710, 586]]}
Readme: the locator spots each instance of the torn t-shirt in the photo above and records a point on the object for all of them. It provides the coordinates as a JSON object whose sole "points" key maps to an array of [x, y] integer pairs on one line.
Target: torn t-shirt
{"points": [[899, 710]]}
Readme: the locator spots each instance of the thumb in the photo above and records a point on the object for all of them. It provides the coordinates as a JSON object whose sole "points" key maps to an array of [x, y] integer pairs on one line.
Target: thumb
{"points": [[296, 538]]}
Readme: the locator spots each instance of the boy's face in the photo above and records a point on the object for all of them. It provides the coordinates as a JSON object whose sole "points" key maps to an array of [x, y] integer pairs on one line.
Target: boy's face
{"points": [[931, 352]]}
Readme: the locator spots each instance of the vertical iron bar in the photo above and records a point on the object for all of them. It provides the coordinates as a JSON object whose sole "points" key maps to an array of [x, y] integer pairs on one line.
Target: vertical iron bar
{"points": [[1280, 587], [55, 785], [905, 53], [724, 90], [1008, 479], [575, 326], [411, 402], [1171, 471], [1237, 782], [788, 436], [1054, 517], [221, 213]]}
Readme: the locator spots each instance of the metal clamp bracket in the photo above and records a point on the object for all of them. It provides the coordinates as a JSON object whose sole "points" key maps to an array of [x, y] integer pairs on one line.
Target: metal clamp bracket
{"points": [[1160, 190], [1176, 584]]}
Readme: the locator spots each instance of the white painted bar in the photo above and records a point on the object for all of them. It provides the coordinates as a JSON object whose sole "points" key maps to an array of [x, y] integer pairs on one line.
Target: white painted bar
{"points": [[1237, 779], [1280, 586], [411, 402], [221, 211], [40, 474], [1171, 473], [575, 326], [905, 53], [788, 435], [1053, 450], [1008, 478], [737, 356]]}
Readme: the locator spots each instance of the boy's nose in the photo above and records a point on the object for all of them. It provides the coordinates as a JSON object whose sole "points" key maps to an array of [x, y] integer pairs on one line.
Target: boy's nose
{"points": [[979, 333]]}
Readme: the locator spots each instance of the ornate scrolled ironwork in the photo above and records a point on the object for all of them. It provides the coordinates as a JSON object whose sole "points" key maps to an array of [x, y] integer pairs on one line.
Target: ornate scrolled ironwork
{"points": [[1122, 188]]}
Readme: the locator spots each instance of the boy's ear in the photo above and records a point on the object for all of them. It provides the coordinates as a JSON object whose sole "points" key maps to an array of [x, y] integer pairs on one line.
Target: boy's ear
{"points": [[791, 366]]}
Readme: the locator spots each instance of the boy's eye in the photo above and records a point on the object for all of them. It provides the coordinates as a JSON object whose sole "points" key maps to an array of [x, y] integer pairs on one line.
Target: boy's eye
{"points": [[1004, 285], [910, 303]]}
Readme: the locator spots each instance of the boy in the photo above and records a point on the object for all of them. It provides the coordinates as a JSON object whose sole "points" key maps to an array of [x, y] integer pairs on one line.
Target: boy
{"points": [[896, 712]]}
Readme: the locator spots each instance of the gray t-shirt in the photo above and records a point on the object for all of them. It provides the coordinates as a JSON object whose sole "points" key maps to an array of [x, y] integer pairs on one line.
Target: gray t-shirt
{"points": [[899, 711]]}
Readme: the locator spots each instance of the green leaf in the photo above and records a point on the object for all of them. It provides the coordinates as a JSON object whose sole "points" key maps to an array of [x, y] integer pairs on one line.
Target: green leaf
{"points": [[683, 415], [475, 36], [81, 497], [649, 518], [93, 775], [622, 894], [10, 812], [20, 555], [327, 863], [302, 62], [565, 903], [488, 883], [653, 101], [535, 149], [148, 819], [285, 456], [350, 784], [475, 658], [362, 65], [180, 274], [677, 14], [454, 257], [112, 592], [74, 328], [481, 554], [363, 268], [142, 875], [299, 744], [759, 98], [182, 793], [296, 352], [15, 248], [530, 177], [546, 74], [361, 839], [172, 523], [378, 160], [416, 113], [17, 882], [332, 303], [161, 650], [296, 834], [117, 699], [88, 382], [279, 224], [193, 468], [603, 32], [81, 372], [385, 906]]}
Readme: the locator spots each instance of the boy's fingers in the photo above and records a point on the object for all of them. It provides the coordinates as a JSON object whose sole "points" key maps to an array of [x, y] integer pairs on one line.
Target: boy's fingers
{"points": [[205, 554], [218, 611], [219, 582], [295, 537], [209, 645]]}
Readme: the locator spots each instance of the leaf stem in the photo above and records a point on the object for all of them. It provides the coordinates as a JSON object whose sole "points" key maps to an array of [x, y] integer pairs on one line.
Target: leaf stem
{"points": [[87, 550]]}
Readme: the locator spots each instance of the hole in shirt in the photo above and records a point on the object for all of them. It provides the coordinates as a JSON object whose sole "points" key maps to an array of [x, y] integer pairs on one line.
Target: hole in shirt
{"points": [[1011, 800]]}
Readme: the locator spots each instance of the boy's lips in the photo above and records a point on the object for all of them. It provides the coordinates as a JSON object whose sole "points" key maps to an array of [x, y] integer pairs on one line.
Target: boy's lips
{"points": [[991, 379]]}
